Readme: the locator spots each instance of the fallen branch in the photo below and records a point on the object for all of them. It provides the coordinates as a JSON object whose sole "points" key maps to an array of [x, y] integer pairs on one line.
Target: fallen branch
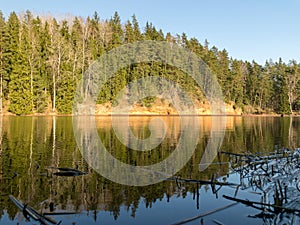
{"points": [[253, 203], [205, 214], [212, 182], [60, 213], [31, 212], [217, 222]]}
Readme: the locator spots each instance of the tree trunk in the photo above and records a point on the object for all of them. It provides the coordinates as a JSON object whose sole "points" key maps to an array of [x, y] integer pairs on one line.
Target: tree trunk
{"points": [[54, 93], [54, 78], [31, 85], [1, 93]]}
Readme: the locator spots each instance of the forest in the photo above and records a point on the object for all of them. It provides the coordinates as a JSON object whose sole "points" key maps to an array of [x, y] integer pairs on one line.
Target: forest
{"points": [[42, 59]]}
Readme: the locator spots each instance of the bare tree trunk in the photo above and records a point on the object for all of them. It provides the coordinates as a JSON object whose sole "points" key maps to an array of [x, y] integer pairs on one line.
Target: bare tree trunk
{"points": [[31, 84], [290, 103], [1, 93], [55, 80], [54, 92]]}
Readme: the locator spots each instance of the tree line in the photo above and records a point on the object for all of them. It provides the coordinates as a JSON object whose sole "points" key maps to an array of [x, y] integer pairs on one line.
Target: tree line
{"points": [[43, 59]]}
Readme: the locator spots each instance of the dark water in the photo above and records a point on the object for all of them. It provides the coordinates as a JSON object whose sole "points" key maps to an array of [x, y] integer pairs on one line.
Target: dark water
{"points": [[30, 145]]}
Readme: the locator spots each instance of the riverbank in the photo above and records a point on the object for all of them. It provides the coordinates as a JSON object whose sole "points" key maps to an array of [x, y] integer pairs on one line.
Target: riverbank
{"points": [[158, 108]]}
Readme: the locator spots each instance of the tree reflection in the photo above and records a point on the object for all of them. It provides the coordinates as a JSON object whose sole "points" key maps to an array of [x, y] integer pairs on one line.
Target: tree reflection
{"points": [[29, 145]]}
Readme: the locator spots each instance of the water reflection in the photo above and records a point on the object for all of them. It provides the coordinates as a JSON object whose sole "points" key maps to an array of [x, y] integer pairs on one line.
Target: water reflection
{"points": [[143, 171], [30, 145]]}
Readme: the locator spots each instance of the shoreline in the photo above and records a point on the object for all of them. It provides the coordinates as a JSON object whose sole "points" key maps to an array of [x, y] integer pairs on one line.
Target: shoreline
{"points": [[157, 109], [148, 115]]}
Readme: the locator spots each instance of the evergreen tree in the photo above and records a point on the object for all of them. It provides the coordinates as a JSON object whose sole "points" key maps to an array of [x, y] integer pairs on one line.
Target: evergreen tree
{"points": [[66, 81], [280, 97], [41, 94], [129, 33], [20, 92], [224, 73], [265, 91], [237, 82], [10, 49], [252, 83], [136, 29], [117, 32]]}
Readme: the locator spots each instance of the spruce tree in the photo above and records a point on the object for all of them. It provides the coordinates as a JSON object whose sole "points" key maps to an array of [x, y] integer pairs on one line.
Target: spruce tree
{"points": [[281, 89], [20, 84]]}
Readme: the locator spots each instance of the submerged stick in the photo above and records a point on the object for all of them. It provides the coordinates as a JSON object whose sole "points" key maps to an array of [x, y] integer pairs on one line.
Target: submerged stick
{"points": [[31, 212], [217, 222], [60, 213], [252, 203], [202, 181], [205, 214], [23, 207]]}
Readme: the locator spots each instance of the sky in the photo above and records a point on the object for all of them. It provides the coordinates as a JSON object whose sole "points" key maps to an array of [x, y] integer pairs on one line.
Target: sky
{"points": [[249, 30]]}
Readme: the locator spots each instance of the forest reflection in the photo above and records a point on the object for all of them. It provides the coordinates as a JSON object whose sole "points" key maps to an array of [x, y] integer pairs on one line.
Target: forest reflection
{"points": [[30, 145]]}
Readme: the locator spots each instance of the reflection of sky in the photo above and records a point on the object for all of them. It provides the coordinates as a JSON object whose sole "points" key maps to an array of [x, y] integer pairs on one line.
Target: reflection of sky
{"points": [[163, 212]]}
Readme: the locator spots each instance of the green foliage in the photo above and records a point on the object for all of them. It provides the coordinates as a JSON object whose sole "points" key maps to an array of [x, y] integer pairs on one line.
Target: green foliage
{"points": [[42, 60], [65, 95], [19, 88]]}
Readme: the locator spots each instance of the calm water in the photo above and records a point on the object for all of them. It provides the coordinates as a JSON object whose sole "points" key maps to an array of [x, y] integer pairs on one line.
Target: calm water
{"points": [[30, 145]]}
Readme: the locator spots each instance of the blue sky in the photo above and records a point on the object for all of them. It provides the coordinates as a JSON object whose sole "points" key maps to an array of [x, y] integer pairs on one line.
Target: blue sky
{"points": [[247, 29]]}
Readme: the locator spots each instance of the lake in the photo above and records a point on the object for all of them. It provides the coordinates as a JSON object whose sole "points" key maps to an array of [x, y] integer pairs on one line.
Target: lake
{"points": [[33, 148]]}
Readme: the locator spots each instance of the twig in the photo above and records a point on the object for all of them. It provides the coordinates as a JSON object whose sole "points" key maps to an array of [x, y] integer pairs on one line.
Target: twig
{"points": [[217, 222]]}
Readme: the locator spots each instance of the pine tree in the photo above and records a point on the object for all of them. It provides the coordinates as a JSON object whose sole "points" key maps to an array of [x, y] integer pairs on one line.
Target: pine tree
{"points": [[97, 36], [117, 32], [280, 97], [35, 56], [9, 49], [129, 33], [20, 86], [265, 91], [224, 73], [42, 90], [66, 81], [136, 29], [252, 82], [237, 82]]}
